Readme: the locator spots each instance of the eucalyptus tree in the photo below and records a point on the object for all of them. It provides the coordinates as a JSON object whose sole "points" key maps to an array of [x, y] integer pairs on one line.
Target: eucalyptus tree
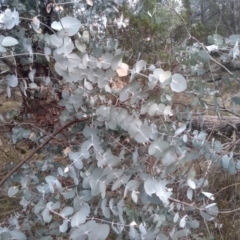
{"points": [[126, 169]]}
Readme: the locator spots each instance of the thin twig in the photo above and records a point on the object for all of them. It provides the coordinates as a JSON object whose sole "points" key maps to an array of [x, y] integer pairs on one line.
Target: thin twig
{"points": [[202, 45]]}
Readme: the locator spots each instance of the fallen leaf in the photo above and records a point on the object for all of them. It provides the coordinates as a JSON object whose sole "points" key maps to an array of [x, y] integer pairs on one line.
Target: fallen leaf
{"points": [[49, 8], [35, 21], [122, 71], [118, 84], [66, 151], [32, 136], [89, 2], [58, 8]]}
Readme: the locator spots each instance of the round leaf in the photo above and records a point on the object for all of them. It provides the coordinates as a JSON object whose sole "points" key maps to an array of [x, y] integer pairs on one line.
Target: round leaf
{"points": [[204, 56], [9, 41], [178, 83], [12, 80], [116, 61], [12, 191], [17, 235], [70, 25]]}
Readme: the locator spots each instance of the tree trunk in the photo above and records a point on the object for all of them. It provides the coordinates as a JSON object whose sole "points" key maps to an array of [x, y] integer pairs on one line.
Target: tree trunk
{"points": [[225, 126]]}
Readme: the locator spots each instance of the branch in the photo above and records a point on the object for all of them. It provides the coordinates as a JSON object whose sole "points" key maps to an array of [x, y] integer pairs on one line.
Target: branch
{"points": [[39, 147], [202, 45]]}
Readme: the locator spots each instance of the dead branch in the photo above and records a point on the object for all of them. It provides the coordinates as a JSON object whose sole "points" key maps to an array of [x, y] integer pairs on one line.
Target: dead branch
{"points": [[5, 178]]}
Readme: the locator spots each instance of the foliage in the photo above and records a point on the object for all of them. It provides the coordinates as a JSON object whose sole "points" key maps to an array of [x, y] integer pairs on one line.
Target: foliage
{"points": [[126, 156], [152, 22]]}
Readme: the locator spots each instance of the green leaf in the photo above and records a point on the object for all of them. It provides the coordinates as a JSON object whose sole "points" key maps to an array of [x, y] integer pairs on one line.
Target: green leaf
{"points": [[210, 39], [47, 217], [185, 138], [152, 81], [232, 167], [88, 85], [204, 56], [69, 74], [178, 83], [97, 52], [92, 230], [9, 41], [140, 65], [68, 194], [180, 130], [189, 194], [64, 227], [191, 183], [152, 186], [56, 40], [106, 60], [116, 62], [157, 147], [85, 36], [99, 232], [82, 232], [92, 62], [182, 222], [12, 80], [217, 146], [238, 164], [80, 217], [169, 156], [31, 74], [12, 191], [235, 50], [17, 235], [122, 180], [80, 46], [134, 196], [10, 18], [76, 157], [181, 234], [66, 211], [33, 86], [124, 94], [69, 25], [161, 236], [132, 185], [208, 195], [143, 134], [70, 61], [193, 224], [132, 232], [142, 229], [103, 188], [236, 100], [66, 47], [161, 75], [225, 161], [233, 39], [153, 109], [209, 213], [47, 52], [105, 210]]}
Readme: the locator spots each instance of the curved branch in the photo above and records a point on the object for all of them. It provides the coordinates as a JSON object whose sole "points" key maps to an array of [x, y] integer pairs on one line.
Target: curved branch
{"points": [[39, 147], [202, 45]]}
